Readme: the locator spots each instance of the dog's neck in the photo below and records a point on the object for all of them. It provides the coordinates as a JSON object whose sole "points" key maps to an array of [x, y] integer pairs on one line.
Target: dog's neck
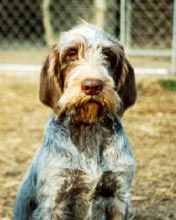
{"points": [[90, 139], [90, 136]]}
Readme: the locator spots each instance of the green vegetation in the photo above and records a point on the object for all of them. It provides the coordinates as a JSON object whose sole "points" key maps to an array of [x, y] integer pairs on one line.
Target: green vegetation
{"points": [[169, 84]]}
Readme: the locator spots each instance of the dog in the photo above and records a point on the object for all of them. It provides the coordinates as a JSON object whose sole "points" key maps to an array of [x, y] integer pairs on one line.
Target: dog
{"points": [[84, 167]]}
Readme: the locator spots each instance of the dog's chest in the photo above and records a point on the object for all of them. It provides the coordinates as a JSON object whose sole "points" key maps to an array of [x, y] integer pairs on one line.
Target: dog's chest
{"points": [[98, 147], [76, 157]]}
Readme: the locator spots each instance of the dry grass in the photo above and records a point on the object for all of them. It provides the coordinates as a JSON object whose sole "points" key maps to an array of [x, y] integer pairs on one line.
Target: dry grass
{"points": [[150, 126]]}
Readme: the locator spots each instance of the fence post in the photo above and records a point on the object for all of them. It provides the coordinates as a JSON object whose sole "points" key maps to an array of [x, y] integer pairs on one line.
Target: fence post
{"points": [[122, 22], [173, 68], [48, 32], [128, 25], [100, 11]]}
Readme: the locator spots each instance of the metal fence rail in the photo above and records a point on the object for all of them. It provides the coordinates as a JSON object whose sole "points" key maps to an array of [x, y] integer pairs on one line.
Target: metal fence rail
{"points": [[146, 28]]}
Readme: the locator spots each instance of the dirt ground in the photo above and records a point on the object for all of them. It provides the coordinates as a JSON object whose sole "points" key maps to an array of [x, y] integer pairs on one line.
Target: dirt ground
{"points": [[150, 126]]}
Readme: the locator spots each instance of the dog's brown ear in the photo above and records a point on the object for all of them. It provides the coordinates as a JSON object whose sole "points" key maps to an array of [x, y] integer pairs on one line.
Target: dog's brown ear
{"points": [[125, 81], [50, 82]]}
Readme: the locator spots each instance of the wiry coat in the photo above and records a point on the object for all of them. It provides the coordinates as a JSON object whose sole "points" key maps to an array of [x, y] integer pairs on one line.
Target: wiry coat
{"points": [[84, 167]]}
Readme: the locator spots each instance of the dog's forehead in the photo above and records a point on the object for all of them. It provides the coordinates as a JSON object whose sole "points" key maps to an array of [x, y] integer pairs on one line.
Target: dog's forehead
{"points": [[91, 32], [86, 34]]}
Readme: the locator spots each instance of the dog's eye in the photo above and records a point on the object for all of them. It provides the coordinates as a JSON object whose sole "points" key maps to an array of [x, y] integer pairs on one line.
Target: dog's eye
{"points": [[107, 53], [110, 56], [72, 55]]}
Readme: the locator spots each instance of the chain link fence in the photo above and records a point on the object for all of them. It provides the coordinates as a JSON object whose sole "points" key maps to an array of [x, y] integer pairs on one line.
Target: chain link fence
{"points": [[28, 27], [153, 24]]}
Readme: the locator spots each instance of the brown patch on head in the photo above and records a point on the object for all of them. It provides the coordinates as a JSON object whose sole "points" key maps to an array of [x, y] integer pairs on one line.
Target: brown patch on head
{"points": [[72, 53]]}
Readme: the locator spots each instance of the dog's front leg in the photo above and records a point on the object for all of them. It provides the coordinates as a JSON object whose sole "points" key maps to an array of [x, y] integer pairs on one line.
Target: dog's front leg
{"points": [[25, 202], [111, 197], [64, 195]]}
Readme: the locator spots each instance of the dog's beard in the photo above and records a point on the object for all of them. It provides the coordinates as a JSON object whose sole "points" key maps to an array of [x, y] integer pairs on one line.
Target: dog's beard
{"points": [[88, 112], [82, 108]]}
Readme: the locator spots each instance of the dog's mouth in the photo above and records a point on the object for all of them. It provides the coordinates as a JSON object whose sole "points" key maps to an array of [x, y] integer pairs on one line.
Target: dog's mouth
{"points": [[87, 112]]}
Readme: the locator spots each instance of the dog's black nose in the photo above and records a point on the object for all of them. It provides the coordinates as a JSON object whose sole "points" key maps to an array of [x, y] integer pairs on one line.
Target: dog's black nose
{"points": [[92, 86]]}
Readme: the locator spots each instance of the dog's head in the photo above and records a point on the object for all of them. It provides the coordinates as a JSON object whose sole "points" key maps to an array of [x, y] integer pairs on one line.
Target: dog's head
{"points": [[87, 74]]}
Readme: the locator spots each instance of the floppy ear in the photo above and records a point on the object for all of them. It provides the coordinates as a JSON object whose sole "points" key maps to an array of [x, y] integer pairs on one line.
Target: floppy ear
{"points": [[125, 82], [50, 79]]}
